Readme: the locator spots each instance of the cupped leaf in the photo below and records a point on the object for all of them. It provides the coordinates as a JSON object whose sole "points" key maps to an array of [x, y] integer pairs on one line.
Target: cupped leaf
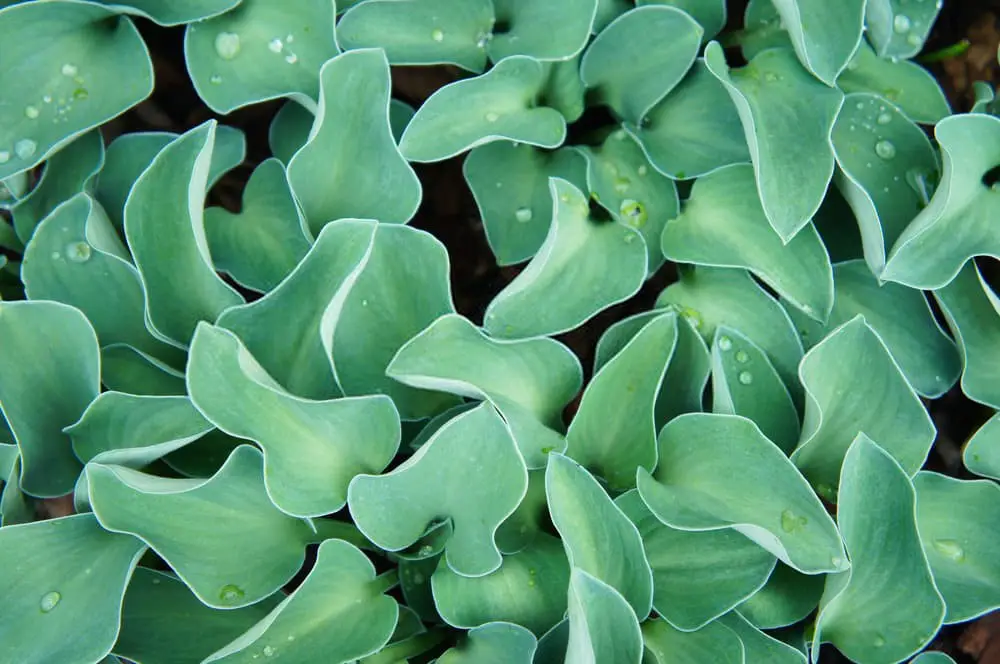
{"points": [[744, 382], [982, 453], [124, 161], [312, 449], [694, 130], [510, 183], [957, 223], [758, 646], [125, 369], [61, 576], [637, 195], [421, 32], [710, 14], [67, 173], [886, 164], [583, 267], [556, 30], [714, 642], [75, 257], [603, 628], [164, 623], [886, 607], [260, 51], [469, 472], [839, 406], [907, 85], [824, 34], [500, 104], [787, 117], [73, 66], [787, 598], [697, 576], [352, 123], [898, 28], [262, 244], [339, 614], [49, 373], [173, 13], [493, 643], [723, 224], [530, 381], [169, 244], [529, 590], [972, 310], [614, 430], [401, 289], [221, 535], [710, 297], [599, 539], [957, 520], [639, 58], [720, 471]]}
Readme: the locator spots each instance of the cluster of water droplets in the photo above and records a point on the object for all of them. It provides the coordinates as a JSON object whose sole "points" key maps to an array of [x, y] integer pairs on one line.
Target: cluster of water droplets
{"points": [[742, 357], [902, 24], [229, 45], [25, 148]]}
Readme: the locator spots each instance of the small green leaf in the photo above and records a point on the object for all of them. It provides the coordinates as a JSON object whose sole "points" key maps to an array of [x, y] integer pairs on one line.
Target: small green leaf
{"points": [[125, 369], [555, 30], [221, 535], [787, 117], [49, 372], [260, 51], [603, 628], [958, 520], [583, 267], [824, 34], [787, 598], [719, 471], [639, 58], [353, 123], [981, 454], [898, 28], [599, 539], [932, 658], [500, 104], [886, 607], [758, 646], [73, 66], [839, 406], [469, 472], [62, 576], [493, 643], [712, 643], [124, 161], [337, 615]]}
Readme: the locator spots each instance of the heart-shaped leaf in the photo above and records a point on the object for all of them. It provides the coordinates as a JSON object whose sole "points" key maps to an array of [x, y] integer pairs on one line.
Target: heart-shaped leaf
{"points": [[719, 471], [712, 643], [825, 34], [493, 643], [898, 28], [602, 626]]}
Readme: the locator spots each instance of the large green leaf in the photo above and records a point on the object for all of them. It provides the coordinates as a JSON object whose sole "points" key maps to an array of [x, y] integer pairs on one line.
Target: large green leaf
{"points": [[554, 30], [530, 381], [469, 472], [712, 643], [500, 104], [719, 471], [639, 58], [957, 224], [260, 51], [886, 607], [958, 521], [49, 372], [981, 454], [63, 576], [337, 615], [599, 539], [603, 629], [824, 34], [70, 66], [493, 643], [898, 28], [352, 127], [697, 576], [164, 225], [839, 406], [584, 266], [312, 449], [221, 535], [787, 117], [760, 647], [724, 225]]}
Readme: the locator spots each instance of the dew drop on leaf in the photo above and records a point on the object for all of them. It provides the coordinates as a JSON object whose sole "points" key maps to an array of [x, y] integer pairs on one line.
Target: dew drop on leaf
{"points": [[745, 378], [269, 651], [215, 80], [633, 212], [69, 69], [790, 521], [742, 357], [4, 156], [227, 45], [725, 343], [78, 252], [901, 24], [230, 593], [492, 117], [950, 549], [275, 45], [884, 118], [913, 40], [437, 35], [25, 148], [523, 214], [50, 600], [31, 112], [879, 641], [291, 58], [885, 149]]}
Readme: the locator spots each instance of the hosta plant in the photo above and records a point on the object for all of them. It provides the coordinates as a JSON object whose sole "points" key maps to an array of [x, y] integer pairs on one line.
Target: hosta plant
{"points": [[275, 436]]}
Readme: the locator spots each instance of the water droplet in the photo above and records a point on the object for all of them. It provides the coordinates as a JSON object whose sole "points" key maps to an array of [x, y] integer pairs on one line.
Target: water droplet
{"points": [[742, 357], [622, 185], [492, 117], [790, 521], [25, 148], [770, 77], [913, 39], [619, 135], [884, 118], [275, 45], [78, 252], [69, 70], [269, 651], [31, 112], [859, 106], [291, 637], [156, 582], [523, 215], [230, 593], [437, 35], [879, 640], [531, 583], [289, 38], [950, 549], [215, 80], [364, 303], [745, 378], [642, 170], [47, 99], [633, 212], [629, 238], [418, 578], [901, 24], [885, 149], [4, 156], [725, 343], [49, 601], [291, 58], [483, 39], [80, 94], [56, 255], [227, 45]]}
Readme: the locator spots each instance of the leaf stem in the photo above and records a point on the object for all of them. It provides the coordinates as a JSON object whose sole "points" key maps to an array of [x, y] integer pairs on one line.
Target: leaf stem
{"points": [[947, 52]]}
